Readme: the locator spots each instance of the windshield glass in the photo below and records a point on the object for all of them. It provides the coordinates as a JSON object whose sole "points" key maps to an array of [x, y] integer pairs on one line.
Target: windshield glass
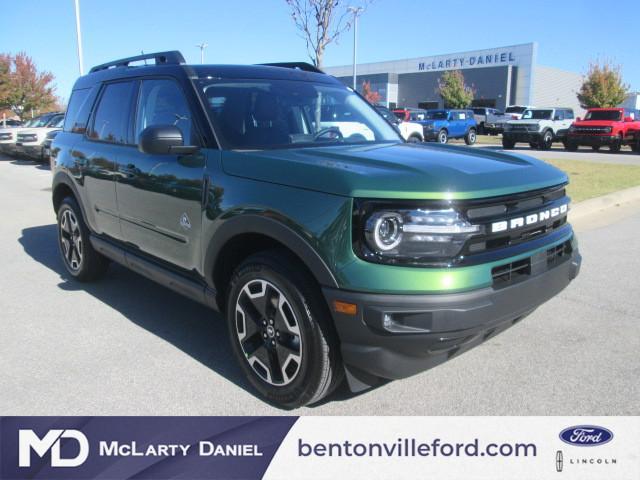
{"points": [[41, 121], [537, 114], [56, 122], [514, 109], [258, 114], [437, 115], [603, 115]]}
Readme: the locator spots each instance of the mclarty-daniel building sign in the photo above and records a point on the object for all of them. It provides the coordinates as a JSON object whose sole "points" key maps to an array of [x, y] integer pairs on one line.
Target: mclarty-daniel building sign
{"points": [[512, 73], [449, 63]]}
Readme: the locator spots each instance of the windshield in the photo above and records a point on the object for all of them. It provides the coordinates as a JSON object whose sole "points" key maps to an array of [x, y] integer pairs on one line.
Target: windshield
{"points": [[514, 109], [537, 114], [41, 121], [258, 114], [56, 122], [603, 115], [387, 114], [437, 115]]}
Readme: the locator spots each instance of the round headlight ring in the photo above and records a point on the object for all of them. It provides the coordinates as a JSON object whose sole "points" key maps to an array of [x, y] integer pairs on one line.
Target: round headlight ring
{"points": [[387, 231]]}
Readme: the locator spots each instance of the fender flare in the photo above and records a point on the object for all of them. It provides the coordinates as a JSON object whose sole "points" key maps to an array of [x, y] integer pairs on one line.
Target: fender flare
{"points": [[63, 178], [274, 229]]}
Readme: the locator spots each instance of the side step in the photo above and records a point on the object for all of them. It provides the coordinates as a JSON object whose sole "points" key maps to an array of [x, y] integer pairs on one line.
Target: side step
{"points": [[189, 288]]}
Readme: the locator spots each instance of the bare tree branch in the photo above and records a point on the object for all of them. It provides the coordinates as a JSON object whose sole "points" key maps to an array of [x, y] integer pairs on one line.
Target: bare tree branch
{"points": [[321, 22]]}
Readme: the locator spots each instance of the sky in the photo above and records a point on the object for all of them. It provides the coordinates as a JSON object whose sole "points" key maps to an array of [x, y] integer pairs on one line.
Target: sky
{"points": [[570, 33]]}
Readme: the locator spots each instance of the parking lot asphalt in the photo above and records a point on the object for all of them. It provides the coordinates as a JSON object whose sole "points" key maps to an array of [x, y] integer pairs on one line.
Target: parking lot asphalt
{"points": [[624, 157], [126, 346]]}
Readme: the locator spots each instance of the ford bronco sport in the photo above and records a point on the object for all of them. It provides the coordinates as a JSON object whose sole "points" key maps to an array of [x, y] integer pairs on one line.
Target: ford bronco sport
{"points": [[611, 127], [330, 254], [441, 125]]}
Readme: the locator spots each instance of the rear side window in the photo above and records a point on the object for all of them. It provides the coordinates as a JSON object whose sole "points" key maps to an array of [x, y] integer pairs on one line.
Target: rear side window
{"points": [[568, 114], [79, 109], [111, 118], [161, 102]]}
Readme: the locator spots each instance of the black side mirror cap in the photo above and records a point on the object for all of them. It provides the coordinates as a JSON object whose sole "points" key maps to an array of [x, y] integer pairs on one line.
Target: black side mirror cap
{"points": [[164, 140]]}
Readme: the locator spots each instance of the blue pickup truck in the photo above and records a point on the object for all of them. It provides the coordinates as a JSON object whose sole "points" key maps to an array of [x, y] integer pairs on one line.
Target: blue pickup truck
{"points": [[441, 125]]}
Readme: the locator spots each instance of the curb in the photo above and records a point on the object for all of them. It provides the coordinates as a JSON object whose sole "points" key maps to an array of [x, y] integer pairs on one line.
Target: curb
{"points": [[597, 204]]}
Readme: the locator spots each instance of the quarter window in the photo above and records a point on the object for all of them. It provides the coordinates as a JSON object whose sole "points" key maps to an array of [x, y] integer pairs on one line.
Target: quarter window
{"points": [[161, 102], [111, 119]]}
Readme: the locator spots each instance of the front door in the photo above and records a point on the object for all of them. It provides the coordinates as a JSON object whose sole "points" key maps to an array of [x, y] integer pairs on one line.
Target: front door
{"points": [[160, 196]]}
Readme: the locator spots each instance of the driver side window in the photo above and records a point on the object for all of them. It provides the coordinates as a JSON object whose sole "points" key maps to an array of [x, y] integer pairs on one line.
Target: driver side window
{"points": [[161, 102]]}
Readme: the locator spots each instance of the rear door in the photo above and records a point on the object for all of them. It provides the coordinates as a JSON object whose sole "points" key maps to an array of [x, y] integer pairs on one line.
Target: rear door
{"points": [[160, 196], [98, 151], [457, 123]]}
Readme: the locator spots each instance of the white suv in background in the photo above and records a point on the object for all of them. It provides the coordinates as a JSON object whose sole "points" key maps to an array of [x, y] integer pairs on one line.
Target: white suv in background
{"points": [[411, 132], [539, 127], [29, 140]]}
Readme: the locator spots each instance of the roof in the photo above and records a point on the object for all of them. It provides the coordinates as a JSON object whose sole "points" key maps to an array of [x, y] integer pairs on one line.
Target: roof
{"points": [[169, 63]]}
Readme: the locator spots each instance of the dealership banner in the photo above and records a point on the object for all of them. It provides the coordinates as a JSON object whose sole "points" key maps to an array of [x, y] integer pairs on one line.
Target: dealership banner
{"points": [[468, 448]]}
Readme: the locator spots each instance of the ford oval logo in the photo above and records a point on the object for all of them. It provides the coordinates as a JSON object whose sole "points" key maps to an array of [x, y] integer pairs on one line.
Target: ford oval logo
{"points": [[586, 435]]}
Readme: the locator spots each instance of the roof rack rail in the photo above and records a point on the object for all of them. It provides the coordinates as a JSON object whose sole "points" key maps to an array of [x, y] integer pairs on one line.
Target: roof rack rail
{"points": [[173, 57], [307, 67]]}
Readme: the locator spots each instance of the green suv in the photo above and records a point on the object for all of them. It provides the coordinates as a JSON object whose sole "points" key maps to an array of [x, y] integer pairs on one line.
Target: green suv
{"points": [[282, 199]]}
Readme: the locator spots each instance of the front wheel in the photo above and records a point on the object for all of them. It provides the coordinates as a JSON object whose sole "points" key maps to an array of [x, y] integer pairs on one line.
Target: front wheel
{"points": [[281, 332], [414, 139], [470, 137], [616, 145], [546, 141], [507, 143], [443, 137]]}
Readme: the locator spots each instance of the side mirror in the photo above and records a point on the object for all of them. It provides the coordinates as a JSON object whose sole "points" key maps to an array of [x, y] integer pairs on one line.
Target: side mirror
{"points": [[164, 140], [628, 119], [578, 119]]}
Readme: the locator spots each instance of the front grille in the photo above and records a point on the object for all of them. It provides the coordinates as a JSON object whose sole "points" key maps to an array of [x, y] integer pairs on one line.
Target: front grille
{"points": [[520, 270], [524, 128], [592, 130], [506, 209], [27, 138], [6, 136]]}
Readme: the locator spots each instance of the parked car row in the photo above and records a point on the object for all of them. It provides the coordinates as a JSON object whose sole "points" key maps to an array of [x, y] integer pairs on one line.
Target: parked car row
{"points": [[541, 127], [32, 139]]}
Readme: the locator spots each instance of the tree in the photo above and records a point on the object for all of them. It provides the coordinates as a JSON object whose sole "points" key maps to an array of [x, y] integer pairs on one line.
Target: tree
{"points": [[371, 96], [454, 92], [27, 88], [321, 22], [602, 87]]}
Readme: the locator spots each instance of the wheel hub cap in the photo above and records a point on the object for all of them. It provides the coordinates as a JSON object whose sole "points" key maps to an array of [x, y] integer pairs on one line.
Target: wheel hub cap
{"points": [[268, 332]]}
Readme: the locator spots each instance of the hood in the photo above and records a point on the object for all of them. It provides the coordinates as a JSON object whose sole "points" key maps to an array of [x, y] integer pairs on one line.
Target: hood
{"points": [[432, 121], [409, 171], [527, 121]]}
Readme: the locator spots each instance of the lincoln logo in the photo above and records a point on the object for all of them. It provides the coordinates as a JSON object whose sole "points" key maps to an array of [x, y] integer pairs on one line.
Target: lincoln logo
{"points": [[518, 222]]}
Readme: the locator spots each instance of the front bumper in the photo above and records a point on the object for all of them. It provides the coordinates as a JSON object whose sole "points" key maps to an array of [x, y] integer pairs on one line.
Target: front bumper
{"points": [[396, 336], [31, 150], [527, 137], [592, 140], [430, 135]]}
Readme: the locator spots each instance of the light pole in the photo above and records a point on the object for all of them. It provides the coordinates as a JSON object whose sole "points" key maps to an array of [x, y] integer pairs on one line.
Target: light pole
{"points": [[202, 46], [79, 37], [356, 11]]}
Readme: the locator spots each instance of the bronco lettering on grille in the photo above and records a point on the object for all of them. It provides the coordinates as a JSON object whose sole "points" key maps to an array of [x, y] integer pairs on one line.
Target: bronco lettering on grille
{"points": [[531, 219]]}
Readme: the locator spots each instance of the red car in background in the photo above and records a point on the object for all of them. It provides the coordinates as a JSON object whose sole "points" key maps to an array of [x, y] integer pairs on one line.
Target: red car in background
{"points": [[611, 127]]}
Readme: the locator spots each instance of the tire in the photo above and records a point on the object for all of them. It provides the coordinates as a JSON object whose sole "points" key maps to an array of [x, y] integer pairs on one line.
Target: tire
{"points": [[546, 141], [414, 139], [80, 259], [571, 146], [481, 129], [595, 148], [507, 143], [470, 138], [616, 145], [300, 327], [442, 137]]}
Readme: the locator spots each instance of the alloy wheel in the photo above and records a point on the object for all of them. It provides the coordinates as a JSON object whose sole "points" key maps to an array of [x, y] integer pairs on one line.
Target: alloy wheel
{"points": [[71, 240], [268, 332]]}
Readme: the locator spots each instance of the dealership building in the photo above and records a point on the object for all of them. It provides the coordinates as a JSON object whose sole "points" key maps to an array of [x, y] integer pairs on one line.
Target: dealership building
{"points": [[500, 77]]}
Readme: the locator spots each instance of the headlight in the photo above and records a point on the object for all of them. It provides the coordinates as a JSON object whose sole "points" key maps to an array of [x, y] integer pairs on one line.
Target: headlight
{"points": [[425, 236], [572, 129], [429, 126], [607, 129]]}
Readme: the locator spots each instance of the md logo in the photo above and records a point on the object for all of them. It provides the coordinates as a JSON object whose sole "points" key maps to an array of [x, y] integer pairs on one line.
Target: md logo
{"points": [[28, 440]]}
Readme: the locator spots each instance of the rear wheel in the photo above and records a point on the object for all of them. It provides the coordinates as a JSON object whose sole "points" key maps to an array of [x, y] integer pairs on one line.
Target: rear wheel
{"points": [[281, 332], [507, 143], [79, 258], [470, 137], [443, 137]]}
